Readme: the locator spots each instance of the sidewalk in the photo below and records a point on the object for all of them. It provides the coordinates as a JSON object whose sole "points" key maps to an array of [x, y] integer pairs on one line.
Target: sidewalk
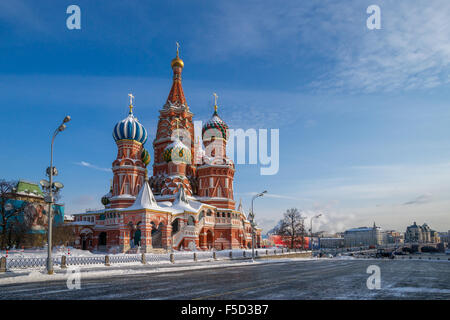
{"points": [[38, 275]]}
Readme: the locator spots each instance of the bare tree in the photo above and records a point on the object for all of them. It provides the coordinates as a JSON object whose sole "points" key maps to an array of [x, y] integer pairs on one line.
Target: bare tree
{"points": [[9, 214], [63, 235], [292, 226]]}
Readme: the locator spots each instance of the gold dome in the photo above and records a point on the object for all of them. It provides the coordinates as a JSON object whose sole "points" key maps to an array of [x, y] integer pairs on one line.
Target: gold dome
{"points": [[177, 62]]}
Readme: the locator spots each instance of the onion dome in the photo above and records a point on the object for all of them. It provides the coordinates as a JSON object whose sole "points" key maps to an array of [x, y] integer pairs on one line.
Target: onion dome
{"points": [[177, 151], [106, 198], [145, 157], [130, 129], [177, 62], [216, 123]]}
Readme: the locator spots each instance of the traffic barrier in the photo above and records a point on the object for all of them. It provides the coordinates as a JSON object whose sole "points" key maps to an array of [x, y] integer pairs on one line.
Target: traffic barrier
{"points": [[63, 262], [3, 264]]}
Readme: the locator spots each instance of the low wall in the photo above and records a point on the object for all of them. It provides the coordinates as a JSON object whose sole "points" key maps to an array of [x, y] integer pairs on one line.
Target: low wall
{"points": [[307, 254]]}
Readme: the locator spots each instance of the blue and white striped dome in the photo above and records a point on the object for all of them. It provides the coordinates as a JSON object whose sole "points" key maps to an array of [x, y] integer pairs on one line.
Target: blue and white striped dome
{"points": [[130, 128]]}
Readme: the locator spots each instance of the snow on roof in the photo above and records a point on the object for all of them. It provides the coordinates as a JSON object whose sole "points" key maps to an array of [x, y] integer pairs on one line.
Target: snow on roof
{"points": [[145, 199], [182, 202], [241, 208]]}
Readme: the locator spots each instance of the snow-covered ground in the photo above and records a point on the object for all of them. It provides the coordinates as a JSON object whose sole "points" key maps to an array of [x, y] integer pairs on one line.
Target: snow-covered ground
{"points": [[42, 252], [70, 251]]}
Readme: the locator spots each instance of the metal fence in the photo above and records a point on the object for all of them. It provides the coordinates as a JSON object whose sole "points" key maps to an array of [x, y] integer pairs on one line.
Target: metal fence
{"points": [[146, 258], [73, 261]]}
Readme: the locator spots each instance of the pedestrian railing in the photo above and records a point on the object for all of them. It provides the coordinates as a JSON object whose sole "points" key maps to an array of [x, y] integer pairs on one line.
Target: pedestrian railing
{"points": [[73, 261], [125, 258], [145, 258], [25, 263]]}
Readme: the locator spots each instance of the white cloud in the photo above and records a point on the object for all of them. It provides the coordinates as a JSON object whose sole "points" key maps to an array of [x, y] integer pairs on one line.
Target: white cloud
{"points": [[92, 166], [424, 198], [411, 51]]}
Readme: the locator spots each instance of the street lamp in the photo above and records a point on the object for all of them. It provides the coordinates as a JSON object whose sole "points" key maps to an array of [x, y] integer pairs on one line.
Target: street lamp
{"points": [[252, 222], [50, 172], [313, 217]]}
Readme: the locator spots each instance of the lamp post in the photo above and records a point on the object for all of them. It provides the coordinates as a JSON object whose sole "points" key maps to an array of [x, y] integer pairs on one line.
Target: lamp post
{"points": [[252, 222], [313, 217], [52, 171]]}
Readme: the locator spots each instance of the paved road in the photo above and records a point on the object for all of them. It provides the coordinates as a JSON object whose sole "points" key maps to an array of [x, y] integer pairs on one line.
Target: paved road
{"points": [[308, 279]]}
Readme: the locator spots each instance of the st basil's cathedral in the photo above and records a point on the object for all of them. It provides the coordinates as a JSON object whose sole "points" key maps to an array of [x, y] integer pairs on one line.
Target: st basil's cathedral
{"points": [[188, 202]]}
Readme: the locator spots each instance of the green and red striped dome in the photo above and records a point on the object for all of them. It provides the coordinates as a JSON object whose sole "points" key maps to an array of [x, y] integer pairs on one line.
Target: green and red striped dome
{"points": [[216, 123]]}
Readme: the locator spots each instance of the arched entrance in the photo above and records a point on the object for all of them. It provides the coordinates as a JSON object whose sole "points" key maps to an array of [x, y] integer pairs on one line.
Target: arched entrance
{"points": [[137, 235], [86, 239], [102, 240], [157, 235], [175, 226]]}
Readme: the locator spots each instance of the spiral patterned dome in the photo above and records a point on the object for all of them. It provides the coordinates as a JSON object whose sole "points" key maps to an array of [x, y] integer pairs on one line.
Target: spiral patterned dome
{"points": [[177, 151], [145, 157], [216, 123], [130, 128]]}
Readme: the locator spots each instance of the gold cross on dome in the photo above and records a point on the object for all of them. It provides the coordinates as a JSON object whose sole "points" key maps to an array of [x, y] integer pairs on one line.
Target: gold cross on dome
{"points": [[131, 101], [178, 133], [131, 98], [215, 100], [178, 47]]}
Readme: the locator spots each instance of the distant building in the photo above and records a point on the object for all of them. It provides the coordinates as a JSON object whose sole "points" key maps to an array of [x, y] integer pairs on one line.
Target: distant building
{"points": [[364, 236], [421, 234], [394, 237], [331, 243]]}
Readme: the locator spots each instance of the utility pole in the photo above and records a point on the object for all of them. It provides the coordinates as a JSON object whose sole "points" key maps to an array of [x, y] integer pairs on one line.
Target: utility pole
{"points": [[51, 171], [252, 222]]}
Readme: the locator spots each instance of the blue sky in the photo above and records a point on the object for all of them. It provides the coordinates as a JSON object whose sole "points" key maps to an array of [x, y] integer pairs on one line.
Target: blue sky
{"points": [[363, 114]]}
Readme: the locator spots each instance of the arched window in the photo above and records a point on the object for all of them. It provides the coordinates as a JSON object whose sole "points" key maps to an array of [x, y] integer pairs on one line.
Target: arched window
{"points": [[175, 225], [201, 215], [191, 221]]}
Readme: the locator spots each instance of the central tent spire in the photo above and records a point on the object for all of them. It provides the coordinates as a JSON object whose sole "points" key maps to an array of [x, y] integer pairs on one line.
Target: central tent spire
{"points": [[176, 95]]}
